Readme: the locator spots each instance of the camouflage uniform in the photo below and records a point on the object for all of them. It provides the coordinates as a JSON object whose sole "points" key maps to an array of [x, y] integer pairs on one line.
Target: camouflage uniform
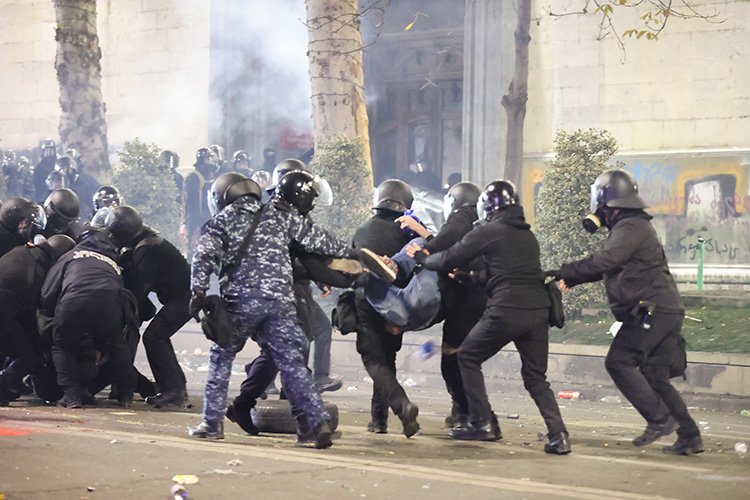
{"points": [[261, 298]]}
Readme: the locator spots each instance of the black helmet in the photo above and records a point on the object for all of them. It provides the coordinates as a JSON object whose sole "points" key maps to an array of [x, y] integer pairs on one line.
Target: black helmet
{"points": [[107, 196], [227, 188], [170, 158], [62, 207], [202, 155], [461, 193], [240, 155], [615, 189], [123, 224], [497, 195], [14, 210], [395, 195], [60, 244], [48, 147], [9, 155], [284, 167], [298, 189]]}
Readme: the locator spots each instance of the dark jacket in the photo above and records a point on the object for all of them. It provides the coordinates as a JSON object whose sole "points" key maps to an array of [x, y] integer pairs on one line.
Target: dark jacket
{"points": [[511, 254], [156, 265], [9, 239], [381, 234], [633, 266], [89, 270], [455, 294], [22, 272]]}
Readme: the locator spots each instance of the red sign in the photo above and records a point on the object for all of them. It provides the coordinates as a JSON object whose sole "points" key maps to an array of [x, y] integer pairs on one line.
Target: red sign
{"points": [[296, 139]]}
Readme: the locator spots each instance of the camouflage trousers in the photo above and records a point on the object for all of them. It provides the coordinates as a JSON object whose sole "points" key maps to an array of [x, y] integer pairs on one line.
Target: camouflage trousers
{"points": [[274, 326]]}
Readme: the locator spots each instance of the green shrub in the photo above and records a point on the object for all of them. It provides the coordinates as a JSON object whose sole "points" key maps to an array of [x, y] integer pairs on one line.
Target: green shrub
{"points": [[564, 200], [148, 186], [341, 162]]}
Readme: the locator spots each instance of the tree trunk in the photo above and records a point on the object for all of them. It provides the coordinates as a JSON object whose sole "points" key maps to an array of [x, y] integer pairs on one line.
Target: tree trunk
{"points": [[79, 73], [514, 101], [336, 73]]}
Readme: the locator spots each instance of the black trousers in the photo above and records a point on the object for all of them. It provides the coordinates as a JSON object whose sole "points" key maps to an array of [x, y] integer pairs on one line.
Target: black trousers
{"points": [[19, 341], [639, 362], [460, 316], [378, 350], [528, 330], [159, 350], [99, 320]]}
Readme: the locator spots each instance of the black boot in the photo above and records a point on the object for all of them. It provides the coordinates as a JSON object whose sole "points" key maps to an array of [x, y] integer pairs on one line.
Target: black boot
{"points": [[408, 417], [207, 430], [4, 396], [685, 446], [655, 431], [177, 397], [72, 398], [321, 436], [558, 444], [239, 413], [479, 431], [378, 426]]}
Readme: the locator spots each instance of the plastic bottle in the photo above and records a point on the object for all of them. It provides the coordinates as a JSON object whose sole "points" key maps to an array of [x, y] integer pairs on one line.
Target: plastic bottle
{"points": [[426, 350]]}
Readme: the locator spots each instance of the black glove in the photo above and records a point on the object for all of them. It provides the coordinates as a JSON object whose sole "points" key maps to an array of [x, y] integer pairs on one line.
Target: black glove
{"points": [[463, 277], [420, 257], [198, 303]]}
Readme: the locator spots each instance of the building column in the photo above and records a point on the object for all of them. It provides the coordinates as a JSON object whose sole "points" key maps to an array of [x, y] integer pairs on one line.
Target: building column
{"points": [[488, 70]]}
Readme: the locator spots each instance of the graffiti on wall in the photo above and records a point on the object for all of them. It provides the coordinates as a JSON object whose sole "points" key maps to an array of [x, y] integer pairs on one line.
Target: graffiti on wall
{"points": [[691, 199]]}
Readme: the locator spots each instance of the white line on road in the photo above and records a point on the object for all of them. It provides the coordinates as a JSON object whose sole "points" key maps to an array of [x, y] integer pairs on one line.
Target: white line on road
{"points": [[324, 459]]}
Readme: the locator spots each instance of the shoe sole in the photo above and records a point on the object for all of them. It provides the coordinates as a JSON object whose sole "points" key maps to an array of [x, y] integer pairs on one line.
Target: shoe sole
{"points": [[348, 266], [375, 265], [331, 387]]}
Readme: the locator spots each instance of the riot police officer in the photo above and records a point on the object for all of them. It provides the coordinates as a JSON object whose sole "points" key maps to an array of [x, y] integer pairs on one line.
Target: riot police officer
{"points": [[22, 272], [44, 167], [462, 302], [375, 344], [89, 278], [19, 219], [517, 311], [643, 295], [156, 265], [258, 295], [195, 209], [62, 209]]}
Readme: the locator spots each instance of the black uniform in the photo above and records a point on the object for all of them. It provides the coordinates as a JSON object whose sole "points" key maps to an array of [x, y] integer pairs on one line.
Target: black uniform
{"points": [[9, 239], [195, 206], [375, 344], [517, 311], [22, 272], [462, 305], [43, 169], [634, 268], [158, 266], [84, 293]]}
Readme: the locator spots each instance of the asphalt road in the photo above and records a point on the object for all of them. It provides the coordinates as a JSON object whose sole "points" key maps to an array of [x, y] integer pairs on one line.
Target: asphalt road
{"points": [[112, 452]]}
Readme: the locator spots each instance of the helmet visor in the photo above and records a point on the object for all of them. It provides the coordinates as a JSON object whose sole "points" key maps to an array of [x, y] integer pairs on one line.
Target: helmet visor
{"points": [[99, 219], [447, 205], [597, 197], [325, 194], [213, 203], [38, 217], [481, 208]]}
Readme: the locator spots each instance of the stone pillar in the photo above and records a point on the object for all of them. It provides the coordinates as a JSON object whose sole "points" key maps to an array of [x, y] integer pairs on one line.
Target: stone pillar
{"points": [[488, 70]]}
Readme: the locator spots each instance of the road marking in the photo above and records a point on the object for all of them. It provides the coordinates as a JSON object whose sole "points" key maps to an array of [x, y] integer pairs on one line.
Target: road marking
{"points": [[321, 458]]}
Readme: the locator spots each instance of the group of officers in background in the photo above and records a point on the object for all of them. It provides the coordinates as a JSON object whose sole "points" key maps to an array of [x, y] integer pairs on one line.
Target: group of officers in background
{"points": [[262, 243]]}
